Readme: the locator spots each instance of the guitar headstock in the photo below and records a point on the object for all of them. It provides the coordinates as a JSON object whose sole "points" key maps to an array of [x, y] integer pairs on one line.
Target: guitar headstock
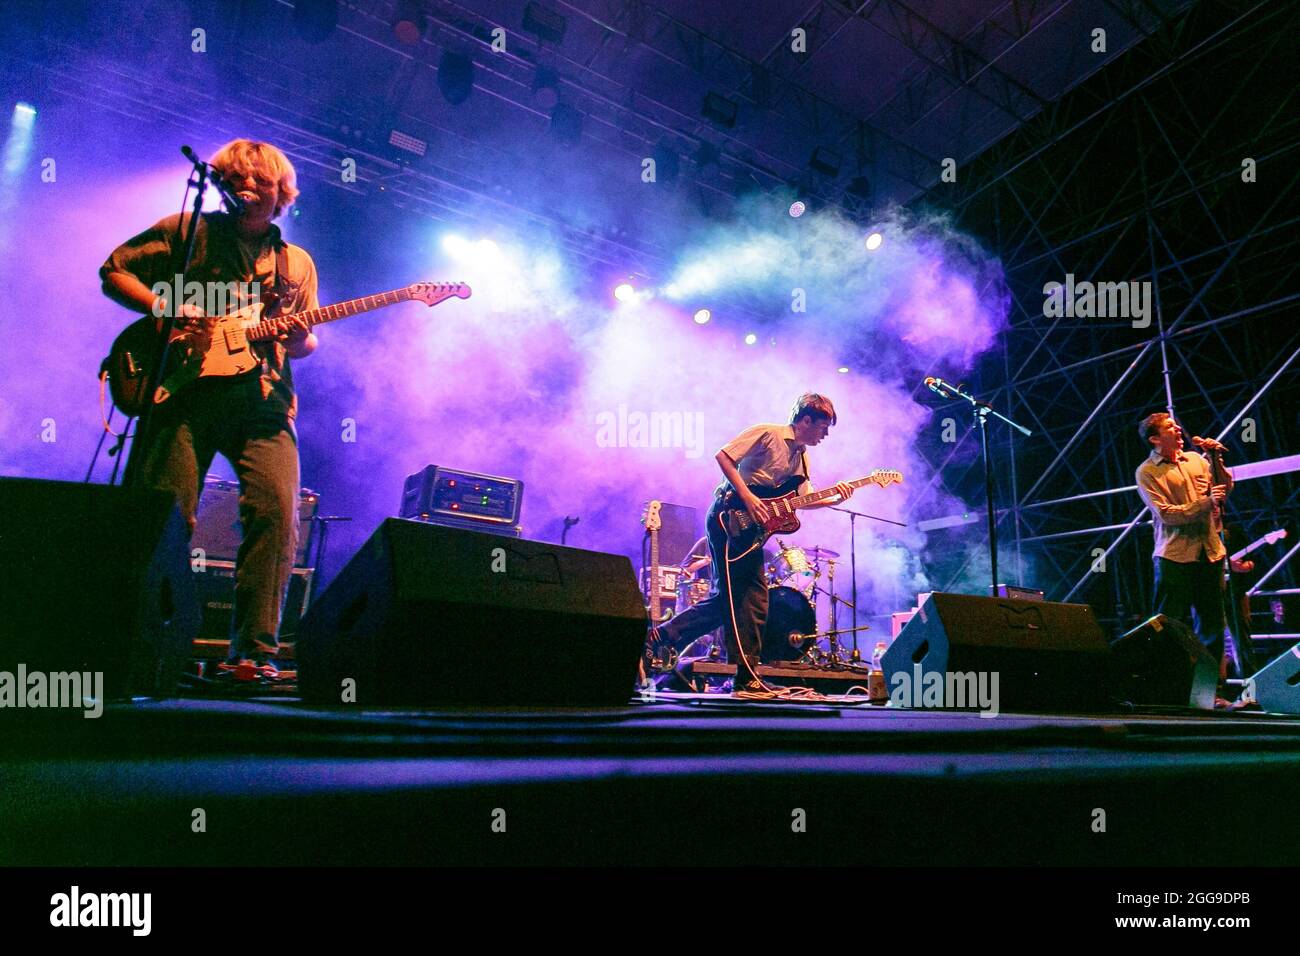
{"points": [[431, 293], [650, 517], [884, 477]]}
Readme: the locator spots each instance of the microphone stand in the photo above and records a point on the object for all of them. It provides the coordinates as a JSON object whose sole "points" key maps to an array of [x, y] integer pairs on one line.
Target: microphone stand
{"points": [[982, 412], [199, 181], [853, 559], [569, 522]]}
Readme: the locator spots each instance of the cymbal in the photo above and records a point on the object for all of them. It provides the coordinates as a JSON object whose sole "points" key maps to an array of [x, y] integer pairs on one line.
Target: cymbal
{"points": [[817, 551]]}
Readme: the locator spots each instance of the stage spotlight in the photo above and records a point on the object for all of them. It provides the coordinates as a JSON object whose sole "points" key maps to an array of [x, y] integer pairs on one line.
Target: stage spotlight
{"points": [[843, 370], [406, 143], [751, 339], [666, 163], [873, 241], [455, 246], [455, 77], [18, 144], [546, 88], [798, 208], [825, 161], [408, 25], [720, 110], [702, 316], [544, 23], [315, 20], [625, 292], [566, 124], [487, 248], [707, 157]]}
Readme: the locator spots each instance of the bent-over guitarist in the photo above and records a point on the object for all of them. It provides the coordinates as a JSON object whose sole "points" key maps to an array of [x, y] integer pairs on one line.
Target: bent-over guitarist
{"points": [[763, 456], [248, 418]]}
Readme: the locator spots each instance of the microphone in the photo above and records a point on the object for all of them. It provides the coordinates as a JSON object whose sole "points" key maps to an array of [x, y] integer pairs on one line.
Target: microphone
{"points": [[940, 387], [233, 203], [1209, 444]]}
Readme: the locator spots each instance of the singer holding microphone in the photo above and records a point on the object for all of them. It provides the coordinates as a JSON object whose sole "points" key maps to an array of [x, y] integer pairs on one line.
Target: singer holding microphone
{"points": [[248, 418], [1185, 503]]}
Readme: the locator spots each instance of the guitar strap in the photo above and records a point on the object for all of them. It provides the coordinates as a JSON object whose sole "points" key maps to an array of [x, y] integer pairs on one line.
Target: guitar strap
{"points": [[281, 271]]}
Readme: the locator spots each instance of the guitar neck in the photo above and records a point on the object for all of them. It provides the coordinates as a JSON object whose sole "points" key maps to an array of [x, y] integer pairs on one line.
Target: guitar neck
{"points": [[803, 501], [270, 328], [654, 576]]}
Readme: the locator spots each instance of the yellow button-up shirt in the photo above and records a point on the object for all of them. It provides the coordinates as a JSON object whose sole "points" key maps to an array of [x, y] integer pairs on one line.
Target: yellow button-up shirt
{"points": [[1177, 492]]}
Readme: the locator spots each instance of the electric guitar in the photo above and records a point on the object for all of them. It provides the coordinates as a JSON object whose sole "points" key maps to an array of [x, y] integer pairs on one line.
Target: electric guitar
{"points": [[227, 351], [659, 582], [782, 502], [1273, 537]]}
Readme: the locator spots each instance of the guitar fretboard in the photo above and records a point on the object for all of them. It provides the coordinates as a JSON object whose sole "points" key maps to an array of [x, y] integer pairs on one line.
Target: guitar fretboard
{"points": [[803, 501], [270, 328]]}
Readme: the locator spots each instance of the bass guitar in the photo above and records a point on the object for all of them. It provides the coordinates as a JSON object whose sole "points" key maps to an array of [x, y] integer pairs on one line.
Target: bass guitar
{"points": [[228, 349], [783, 502], [659, 582]]}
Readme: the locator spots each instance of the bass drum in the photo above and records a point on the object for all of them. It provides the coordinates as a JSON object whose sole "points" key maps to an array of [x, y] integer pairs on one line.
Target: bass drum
{"points": [[791, 622]]}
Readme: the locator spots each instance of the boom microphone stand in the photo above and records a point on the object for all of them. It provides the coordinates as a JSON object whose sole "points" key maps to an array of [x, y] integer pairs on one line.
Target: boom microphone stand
{"points": [[853, 559], [982, 412], [201, 176]]}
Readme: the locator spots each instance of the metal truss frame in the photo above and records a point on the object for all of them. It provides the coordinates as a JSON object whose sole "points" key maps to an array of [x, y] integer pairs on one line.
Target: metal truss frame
{"points": [[1225, 276]]}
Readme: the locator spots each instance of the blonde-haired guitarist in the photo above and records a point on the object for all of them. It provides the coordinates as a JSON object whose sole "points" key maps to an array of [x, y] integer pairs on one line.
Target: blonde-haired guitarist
{"points": [[249, 417]]}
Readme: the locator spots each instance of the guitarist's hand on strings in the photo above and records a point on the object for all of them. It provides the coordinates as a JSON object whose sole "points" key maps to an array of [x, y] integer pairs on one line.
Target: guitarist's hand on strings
{"points": [[191, 318], [756, 507], [845, 491], [297, 337]]}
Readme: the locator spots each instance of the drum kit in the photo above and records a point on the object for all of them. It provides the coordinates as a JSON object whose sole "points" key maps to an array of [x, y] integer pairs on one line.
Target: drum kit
{"points": [[794, 582]]}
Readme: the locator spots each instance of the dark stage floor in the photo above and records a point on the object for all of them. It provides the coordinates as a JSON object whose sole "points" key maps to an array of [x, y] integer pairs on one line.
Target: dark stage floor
{"points": [[682, 780]]}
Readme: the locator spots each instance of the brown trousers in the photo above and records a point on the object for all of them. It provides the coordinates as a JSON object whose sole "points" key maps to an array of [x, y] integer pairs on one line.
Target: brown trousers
{"points": [[267, 468]]}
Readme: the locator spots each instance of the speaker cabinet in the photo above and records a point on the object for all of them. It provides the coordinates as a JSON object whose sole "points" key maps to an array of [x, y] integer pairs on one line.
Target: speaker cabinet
{"points": [[1277, 684], [1043, 656], [424, 614], [96, 578], [1161, 661]]}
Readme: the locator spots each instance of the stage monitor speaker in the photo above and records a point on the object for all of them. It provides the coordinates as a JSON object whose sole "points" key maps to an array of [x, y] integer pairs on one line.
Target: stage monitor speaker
{"points": [[96, 578], [1046, 656], [427, 615], [1161, 661], [1277, 684]]}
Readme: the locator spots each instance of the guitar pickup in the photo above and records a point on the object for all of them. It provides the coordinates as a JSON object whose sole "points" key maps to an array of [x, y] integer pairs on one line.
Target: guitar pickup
{"points": [[236, 341]]}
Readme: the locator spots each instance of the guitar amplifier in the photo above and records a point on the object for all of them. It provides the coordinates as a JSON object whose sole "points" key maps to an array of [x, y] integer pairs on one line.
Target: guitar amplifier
{"points": [[463, 499], [218, 531], [216, 588]]}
